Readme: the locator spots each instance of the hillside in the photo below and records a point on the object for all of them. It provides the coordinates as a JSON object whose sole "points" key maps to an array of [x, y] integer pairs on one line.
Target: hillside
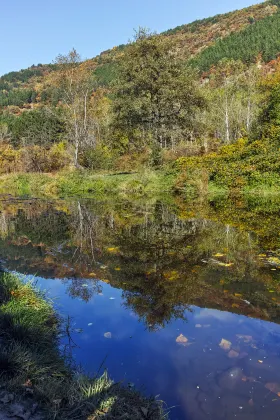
{"points": [[204, 41], [204, 95]]}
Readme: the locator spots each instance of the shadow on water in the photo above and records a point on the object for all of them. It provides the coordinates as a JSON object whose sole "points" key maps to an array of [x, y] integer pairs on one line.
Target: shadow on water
{"points": [[193, 274]]}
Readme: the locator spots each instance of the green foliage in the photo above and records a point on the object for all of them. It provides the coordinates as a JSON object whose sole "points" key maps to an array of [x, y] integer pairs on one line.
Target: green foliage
{"points": [[106, 74], [22, 76], [84, 184], [268, 125], [40, 127], [17, 97], [98, 158], [262, 37], [240, 166], [155, 94], [195, 25]]}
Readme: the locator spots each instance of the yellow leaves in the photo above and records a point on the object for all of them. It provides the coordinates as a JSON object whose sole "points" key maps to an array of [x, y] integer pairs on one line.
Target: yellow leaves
{"points": [[225, 344], [218, 255], [48, 259], [223, 264], [226, 264], [117, 268], [92, 274], [171, 275], [235, 305], [238, 294], [222, 281], [274, 260], [148, 273], [113, 250]]}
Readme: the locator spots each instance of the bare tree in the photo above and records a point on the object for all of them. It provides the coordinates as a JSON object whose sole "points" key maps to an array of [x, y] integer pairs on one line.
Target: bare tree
{"points": [[75, 81]]}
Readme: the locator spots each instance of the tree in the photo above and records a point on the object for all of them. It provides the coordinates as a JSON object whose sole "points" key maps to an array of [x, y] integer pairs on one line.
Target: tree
{"points": [[76, 83], [41, 127], [155, 96], [233, 97], [5, 135]]}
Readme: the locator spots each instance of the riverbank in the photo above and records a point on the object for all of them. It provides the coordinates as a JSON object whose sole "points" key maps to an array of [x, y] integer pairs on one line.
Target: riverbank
{"points": [[36, 379], [86, 184], [239, 169]]}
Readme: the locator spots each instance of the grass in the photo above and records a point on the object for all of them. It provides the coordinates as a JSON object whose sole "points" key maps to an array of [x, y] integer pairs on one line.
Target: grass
{"points": [[30, 361], [133, 185], [86, 184]]}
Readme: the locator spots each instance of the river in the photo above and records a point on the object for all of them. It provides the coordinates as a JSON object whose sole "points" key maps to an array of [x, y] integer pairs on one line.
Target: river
{"points": [[177, 299]]}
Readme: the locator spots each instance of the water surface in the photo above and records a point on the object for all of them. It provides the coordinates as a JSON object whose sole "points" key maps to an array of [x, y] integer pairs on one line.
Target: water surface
{"points": [[179, 299]]}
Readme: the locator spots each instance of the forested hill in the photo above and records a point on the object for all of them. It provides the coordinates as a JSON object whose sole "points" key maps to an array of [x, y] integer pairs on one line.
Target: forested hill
{"points": [[204, 95], [242, 34]]}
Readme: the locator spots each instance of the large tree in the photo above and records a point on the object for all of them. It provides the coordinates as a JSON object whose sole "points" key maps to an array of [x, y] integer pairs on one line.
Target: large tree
{"points": [[156, 96]]}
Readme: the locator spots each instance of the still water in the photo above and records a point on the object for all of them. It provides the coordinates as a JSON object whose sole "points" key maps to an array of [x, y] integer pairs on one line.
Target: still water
{"points": [[180, 300]]}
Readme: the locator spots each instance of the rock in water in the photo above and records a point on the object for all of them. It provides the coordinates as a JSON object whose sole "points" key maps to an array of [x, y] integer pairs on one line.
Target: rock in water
{"points": [[182, 340]]}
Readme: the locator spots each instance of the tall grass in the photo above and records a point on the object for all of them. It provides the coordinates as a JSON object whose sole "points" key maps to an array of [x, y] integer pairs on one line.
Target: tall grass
{"points": [[86, 184]]}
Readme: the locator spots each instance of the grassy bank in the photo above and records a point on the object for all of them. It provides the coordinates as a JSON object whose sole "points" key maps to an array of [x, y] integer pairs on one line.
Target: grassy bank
{"points": [[246, 168], [33, 369], [86, 184]]}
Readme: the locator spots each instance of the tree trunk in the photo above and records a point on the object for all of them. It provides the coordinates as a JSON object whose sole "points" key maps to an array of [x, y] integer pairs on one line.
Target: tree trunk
{"points": [[227, 123], [248, 123]]}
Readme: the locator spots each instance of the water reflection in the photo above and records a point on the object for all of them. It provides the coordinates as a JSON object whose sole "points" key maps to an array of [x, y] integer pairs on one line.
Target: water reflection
{"points": [[164, 263]]}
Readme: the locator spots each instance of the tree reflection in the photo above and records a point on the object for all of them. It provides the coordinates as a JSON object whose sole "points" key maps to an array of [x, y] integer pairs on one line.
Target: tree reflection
{"points": [[165, 257]]}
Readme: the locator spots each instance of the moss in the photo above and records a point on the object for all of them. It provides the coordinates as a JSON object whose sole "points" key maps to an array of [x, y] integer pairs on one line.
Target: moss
{"points": [[30, 361]]}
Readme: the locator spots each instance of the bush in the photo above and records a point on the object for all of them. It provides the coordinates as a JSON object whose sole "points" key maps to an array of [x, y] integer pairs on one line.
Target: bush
{"points": [[99, 158], [9, 159], [39, 159], [236, 166], [133, 161]]}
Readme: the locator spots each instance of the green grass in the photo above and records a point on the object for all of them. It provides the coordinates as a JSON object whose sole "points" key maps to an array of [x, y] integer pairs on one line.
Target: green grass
{"points": [[29, 354], [86, 184]]}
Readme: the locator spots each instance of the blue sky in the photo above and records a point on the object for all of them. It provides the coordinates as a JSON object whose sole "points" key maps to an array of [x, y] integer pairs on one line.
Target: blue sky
{"points": [[36, 31]]}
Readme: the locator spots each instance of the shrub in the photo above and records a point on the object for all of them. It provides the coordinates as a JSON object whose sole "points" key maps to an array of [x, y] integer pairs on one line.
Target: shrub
{"points": [[99, 158], [9, 159], [40, 159]]}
